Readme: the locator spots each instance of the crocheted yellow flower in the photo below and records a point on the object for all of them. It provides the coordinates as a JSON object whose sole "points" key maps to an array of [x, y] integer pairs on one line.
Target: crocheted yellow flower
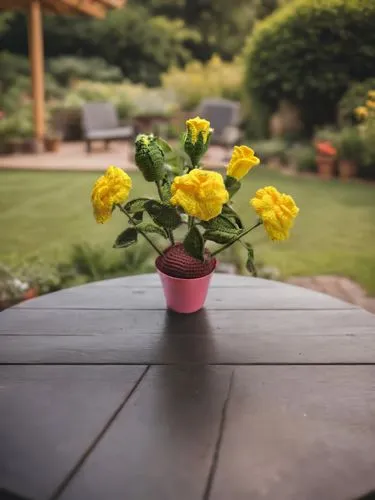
{"points": [[370, 104], [195, 126], [243, 160], [361, 112], [200, 193], [371, 94], [276, 210], [111, 188]]}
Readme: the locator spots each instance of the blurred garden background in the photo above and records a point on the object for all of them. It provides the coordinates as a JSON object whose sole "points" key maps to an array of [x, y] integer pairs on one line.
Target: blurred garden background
{"points": [[303, 72]]}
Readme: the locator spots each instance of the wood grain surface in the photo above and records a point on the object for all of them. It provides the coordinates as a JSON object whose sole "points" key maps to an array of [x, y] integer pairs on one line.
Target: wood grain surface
{"points": [[267, 393]]}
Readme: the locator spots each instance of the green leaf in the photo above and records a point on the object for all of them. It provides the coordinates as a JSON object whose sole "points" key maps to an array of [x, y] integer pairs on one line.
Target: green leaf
{"points": [[166, 148], [220, 223], [126, 238], [136, 205], [250, 266], [148, 227], [220, 236], [229, 212], [163, 215], [250, 249], [138, 217], [232, 185], [194, 244]]}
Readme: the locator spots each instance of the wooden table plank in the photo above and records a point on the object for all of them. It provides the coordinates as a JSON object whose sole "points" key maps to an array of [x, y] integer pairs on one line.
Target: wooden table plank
{"points": [[208, 337], [295, 433], [161, 445], [218, 280], [49, 417], [92, 296], [21, 321]]}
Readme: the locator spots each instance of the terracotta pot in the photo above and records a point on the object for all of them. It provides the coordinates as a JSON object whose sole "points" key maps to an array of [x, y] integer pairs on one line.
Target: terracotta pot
{"points": [[347, 169], [52, 144], [326, 166], [185, 296]]}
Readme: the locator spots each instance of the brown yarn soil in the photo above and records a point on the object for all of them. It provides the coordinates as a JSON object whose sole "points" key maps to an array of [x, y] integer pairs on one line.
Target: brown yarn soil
{"points": [[177, 263]]}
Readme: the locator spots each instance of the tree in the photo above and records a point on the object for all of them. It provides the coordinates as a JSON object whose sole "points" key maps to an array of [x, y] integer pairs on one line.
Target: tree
{"points": [[308, 52]]}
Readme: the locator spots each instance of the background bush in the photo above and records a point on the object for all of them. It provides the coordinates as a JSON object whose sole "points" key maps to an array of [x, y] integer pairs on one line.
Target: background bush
{"points": [[308, 52], [197, 80], [64, 69], [355, 96]]}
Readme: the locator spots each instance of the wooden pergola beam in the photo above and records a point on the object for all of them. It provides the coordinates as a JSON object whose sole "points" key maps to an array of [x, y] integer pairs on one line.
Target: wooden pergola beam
{"points": [[36, 51], [114, 4], [95, 8], [89, 7]]}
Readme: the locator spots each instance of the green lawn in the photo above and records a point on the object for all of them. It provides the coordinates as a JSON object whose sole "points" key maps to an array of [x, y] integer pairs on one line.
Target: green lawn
{"points": [[44, 213]]}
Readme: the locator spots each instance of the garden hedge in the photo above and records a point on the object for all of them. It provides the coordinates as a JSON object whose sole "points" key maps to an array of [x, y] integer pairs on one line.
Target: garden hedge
{"points": [[309, 52]]}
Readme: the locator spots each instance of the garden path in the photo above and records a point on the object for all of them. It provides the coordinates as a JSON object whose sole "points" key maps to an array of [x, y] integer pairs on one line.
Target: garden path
{"points": [[337, 286]]}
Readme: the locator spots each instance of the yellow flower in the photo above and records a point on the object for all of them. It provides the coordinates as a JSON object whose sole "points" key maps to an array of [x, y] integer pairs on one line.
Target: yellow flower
{"points": [[196, 125], [276, 210], [371, 95], [201, 193], [370, 104], [361, 112], [243, 160], [111, 188]]}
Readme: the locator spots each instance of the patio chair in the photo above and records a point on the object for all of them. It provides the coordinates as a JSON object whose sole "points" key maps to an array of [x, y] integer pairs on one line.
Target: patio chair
{"points": [[100, 123], [224, 116]]}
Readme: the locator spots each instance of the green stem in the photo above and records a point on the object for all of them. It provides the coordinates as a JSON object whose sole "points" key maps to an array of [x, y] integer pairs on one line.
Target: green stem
{"points": [[190, 222], [169, 231], [141, 232], [159, 190], [230, 243]]}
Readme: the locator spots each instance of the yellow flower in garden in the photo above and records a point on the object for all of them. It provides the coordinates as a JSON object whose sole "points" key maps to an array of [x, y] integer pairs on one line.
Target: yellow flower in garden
{"points": [[276, 210], [201, 193], [243, 160], [371, 95], [361, 112], [370, 104], [196, 125], [111, 188]]}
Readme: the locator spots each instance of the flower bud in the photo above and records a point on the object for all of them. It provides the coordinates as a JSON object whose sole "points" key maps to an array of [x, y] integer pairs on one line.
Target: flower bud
{"points": [[149, 157]]}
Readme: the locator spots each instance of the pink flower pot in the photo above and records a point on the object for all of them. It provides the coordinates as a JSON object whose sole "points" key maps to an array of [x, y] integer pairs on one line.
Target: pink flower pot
{"points": [[185, 295]]}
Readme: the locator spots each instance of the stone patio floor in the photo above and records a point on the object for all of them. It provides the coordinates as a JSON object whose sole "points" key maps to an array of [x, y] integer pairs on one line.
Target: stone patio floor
{"points": [[73, 156]]}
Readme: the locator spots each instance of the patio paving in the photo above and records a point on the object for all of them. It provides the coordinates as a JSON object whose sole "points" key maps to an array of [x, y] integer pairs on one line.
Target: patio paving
{"points": [[73, 156]]}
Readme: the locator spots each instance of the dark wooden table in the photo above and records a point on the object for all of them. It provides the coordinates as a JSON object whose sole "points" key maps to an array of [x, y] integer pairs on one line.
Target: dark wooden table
{"points": [[268, 393]]}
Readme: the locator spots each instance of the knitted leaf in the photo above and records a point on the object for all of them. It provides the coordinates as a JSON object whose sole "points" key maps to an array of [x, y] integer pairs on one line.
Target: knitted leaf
{"points": [[163, 215], [230, 213], [126, 238], [194, 244], [220, 236], [148, 227], [136, 205], [220, 223]]}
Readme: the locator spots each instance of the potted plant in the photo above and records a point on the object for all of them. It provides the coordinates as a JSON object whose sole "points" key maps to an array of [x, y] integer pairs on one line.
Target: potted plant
{"points": [[52, 142], [325, 159], [191, 199], [350, 152]]}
